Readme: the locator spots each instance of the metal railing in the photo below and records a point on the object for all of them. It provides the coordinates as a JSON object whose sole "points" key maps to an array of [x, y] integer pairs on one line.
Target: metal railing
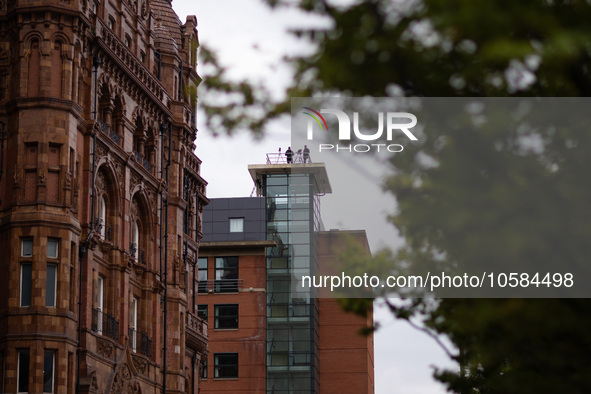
{"points": [[281, 158], [220, 286], [105, 324], [108, 131], [140, 342], [142, 161]]}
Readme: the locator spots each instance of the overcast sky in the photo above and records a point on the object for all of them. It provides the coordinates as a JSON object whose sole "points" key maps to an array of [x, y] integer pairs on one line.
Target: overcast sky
{"points": [[251, 41]]}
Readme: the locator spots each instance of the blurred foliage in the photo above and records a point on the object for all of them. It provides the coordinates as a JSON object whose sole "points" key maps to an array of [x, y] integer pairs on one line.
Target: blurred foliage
{"points": [[485, 199]]}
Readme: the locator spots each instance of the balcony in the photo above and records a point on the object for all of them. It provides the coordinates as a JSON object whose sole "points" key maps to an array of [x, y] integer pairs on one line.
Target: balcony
{"points": [[196, 333], [108, 131], [140, 342], [105, 324], [220, 286], [142, 161]]}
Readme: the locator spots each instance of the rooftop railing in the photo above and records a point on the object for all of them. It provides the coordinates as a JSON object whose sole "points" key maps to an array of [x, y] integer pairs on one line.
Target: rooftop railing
{"points": [[281, 157]]}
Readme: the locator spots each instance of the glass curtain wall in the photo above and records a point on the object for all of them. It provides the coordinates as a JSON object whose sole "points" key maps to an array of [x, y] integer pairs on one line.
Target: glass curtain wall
{"points": [[292, 326]]}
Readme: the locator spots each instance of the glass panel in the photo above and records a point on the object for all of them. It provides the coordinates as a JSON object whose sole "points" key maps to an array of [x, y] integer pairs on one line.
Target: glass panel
{"points": [[226, 267], [226, 365], [204, 370], [273, 180], [52, 248], [48, 360], [103, 216], [237, 225], [226, 274], [202, 311], [26, 284], [26, 247], [273, 191], [23, 371], [226, 316], [50, 285], [202, 274]]}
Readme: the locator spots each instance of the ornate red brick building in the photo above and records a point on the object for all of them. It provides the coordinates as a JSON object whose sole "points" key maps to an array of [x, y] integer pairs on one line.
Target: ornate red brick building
{"points": [[101, 198]]}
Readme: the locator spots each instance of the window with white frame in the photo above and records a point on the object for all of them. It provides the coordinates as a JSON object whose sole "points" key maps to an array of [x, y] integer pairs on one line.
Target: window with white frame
{"points": [[102, 216], [27, 247], [133, 323], [236, 225], [99, 303], [136, 238], [52, 248]]}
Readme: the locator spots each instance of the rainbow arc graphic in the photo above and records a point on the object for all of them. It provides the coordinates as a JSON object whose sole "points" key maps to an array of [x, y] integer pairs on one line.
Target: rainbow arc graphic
{"points": [[316, 116]]}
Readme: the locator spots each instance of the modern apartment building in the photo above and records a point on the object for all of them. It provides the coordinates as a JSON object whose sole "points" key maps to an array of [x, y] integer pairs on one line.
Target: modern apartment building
{"points": [[101, 198], [268, 334]]}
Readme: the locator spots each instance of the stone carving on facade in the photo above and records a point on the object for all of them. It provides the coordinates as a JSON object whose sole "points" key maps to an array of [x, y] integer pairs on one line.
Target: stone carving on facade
{"points": [[76, 187], [104, 347], [17, 178], [101, 151], [140, 364], [152, 198], [124, 377], [42, 177], [144, 10], [88, 380], [68, 181], [100, 181], [135, 180], [134, 209], [124, 382], [119, 169]]}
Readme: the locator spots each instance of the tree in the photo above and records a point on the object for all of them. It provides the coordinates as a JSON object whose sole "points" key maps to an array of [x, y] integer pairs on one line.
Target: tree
{"points": [[487, 199]]}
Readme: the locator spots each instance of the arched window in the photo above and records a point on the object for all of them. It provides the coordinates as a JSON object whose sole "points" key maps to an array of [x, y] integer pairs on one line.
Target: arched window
{"points": [[102, 216], [139, 231], [34, 61], [106, 205], [136, 239], [56, 70]]}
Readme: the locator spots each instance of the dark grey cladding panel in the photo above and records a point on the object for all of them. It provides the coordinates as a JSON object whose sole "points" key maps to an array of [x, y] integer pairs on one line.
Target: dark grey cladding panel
{"points": [[207, 229], [218, 203], [219, 228], [239, 213], [207, 215], [236, 237], [254, 203], [217, 214]]}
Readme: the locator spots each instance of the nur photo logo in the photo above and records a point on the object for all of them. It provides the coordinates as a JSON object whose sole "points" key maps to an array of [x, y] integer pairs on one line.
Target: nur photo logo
{"points": [[393, 124]]}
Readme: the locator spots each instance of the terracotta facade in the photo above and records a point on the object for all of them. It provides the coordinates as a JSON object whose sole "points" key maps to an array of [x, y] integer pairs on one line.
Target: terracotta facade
{"points": [[101, 198]]}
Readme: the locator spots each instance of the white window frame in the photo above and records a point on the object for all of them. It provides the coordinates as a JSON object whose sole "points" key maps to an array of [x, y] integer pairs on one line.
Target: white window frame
{"points": [[57, 248], [99, 303], [103, 216], [134, 306], [23, 240], [236, 225], [136, 238]]}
